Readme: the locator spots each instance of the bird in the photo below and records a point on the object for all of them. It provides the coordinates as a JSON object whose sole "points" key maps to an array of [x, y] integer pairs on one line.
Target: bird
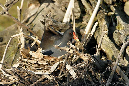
{"points": [[49, 40]]}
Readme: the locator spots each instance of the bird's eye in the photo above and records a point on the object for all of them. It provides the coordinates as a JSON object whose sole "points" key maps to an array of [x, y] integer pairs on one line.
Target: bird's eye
{"points": [[70, 33]]}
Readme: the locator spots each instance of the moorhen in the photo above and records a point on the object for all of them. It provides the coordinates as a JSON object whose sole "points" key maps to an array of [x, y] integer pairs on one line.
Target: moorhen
{"points": [[50, 39]]}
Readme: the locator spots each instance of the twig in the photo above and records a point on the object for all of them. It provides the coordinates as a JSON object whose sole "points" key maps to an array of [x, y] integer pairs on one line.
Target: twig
{"points": [[3, 83], [17, 21], [74, 31], [118, 69], [21, 4], [117, 60], [22, 25], [22, 79], [90, 23], [4, 9], [10, 3], [19, 11], [2, 61], [37, 81], [73, 18], [35, 40], [92, 33], [63, 65]]}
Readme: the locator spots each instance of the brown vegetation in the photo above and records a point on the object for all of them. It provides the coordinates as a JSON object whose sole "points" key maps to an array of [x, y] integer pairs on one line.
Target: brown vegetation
{"points": [[98, 55]]}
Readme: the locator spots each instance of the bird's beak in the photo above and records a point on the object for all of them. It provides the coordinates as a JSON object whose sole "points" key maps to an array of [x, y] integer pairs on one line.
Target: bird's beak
{"points": [[75, 37]]}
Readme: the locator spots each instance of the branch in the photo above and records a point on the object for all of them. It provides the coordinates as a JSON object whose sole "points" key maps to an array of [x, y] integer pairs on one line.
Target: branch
{"points": [[117, 60], [17, 21]]}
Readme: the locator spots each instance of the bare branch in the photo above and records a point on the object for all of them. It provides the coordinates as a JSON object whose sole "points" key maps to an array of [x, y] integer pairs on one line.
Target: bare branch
{"points": [[17, 21], [117, 60], [21, 4], [5, 52], [4, 10]]}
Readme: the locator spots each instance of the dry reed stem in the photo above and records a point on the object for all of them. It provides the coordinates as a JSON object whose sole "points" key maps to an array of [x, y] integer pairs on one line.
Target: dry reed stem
{"points": [[90, 23], [69, 11]]}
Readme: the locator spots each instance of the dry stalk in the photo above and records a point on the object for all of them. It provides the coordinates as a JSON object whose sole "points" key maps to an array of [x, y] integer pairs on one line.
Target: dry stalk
{"points": [[68, 14], [119, 71], [10, 3], [19, 10], [2, 61], [21, 4], [35, 40], [73, 18], [92, 33], [116, 63], [38, 81], [63, 65], [69, 11], [22, 39], [19, 13], [90, 23], [71, 71]]}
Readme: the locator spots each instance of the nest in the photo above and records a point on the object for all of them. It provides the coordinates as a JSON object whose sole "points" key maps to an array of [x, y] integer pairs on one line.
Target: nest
{"points": [[98, 55]]}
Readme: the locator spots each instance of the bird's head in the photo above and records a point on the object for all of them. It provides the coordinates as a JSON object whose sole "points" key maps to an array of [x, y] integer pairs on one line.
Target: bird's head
{"points": [[69, 35]]}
